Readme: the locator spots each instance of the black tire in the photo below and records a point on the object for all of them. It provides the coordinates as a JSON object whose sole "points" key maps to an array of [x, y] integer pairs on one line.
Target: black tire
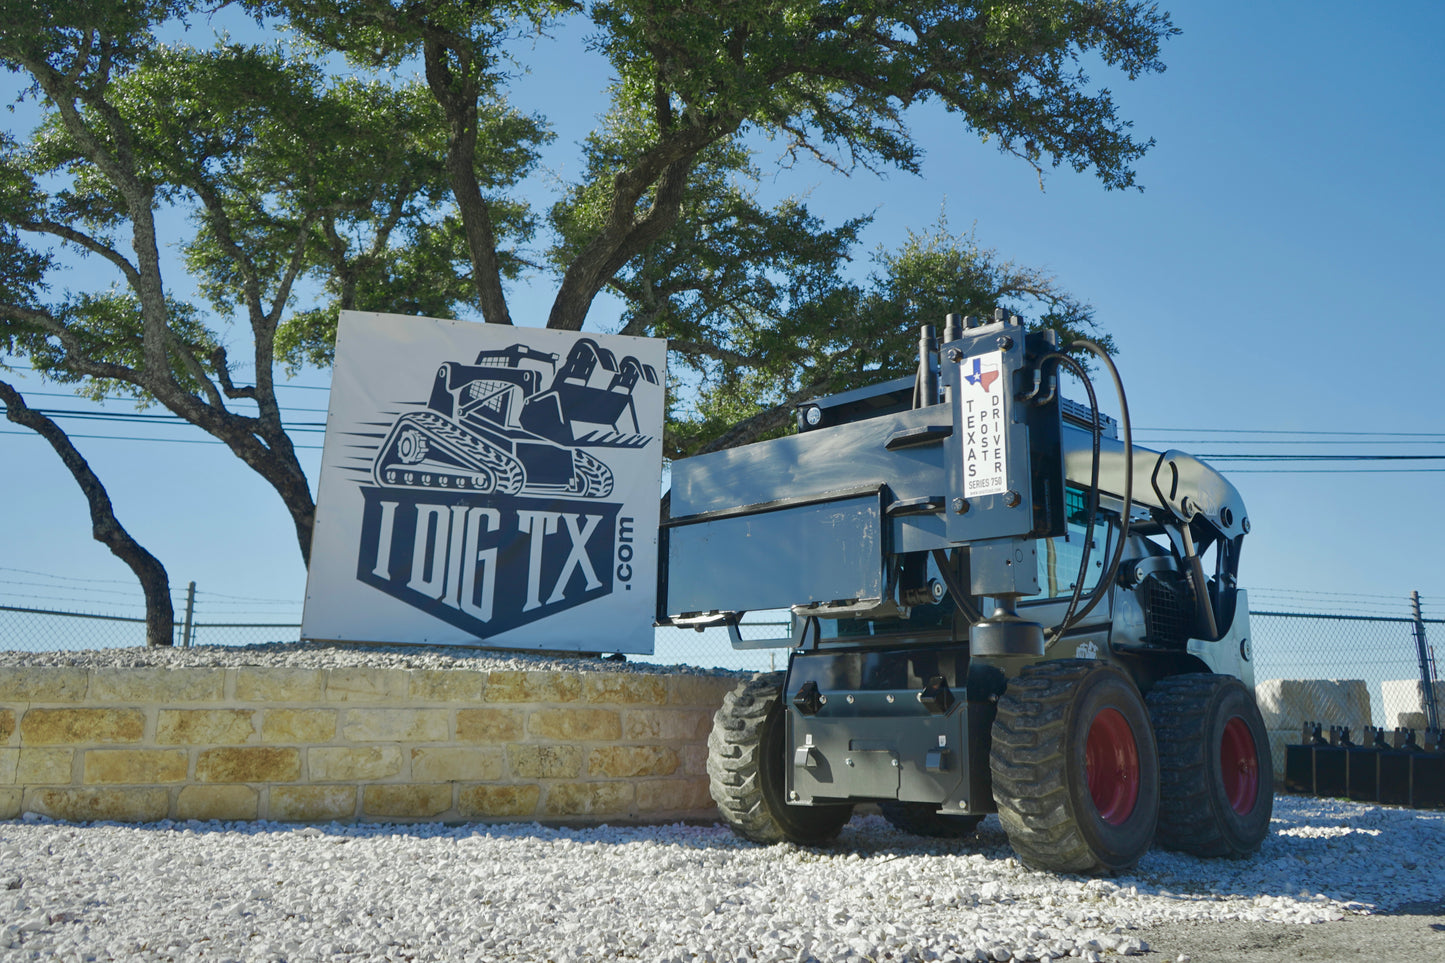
{"points": [[924, 819], [1216, 772], [1060, 812], [745, 758]]}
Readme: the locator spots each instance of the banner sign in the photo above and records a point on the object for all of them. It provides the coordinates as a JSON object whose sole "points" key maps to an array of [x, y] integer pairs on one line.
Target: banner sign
{"points": [[488, 485]]}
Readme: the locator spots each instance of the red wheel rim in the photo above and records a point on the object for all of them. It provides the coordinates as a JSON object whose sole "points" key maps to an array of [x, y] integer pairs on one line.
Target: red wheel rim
{"points": [[1111, 762], [1239, 766]]}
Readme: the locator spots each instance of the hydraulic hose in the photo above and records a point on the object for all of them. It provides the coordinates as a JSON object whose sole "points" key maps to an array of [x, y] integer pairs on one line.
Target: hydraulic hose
{"points": [[1101, 587]]}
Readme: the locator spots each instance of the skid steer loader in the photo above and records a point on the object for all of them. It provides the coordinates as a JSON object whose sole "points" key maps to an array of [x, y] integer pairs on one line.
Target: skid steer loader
{"points": [[998, 604], [494, 426]]}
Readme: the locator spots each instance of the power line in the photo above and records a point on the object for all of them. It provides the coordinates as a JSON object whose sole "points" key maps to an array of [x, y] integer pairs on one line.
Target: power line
{"points": [[164, 441], [1291, 431]]}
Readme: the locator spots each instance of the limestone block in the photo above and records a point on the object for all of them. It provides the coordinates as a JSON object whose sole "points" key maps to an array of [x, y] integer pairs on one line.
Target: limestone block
{"points": [[544, 762], [674, 725], [408, 801], [311, 804], [44, 767], [453, 764], [9, 762], [1404, 702], [623, 688], [51, 727], [629, 762], [218, 802], [703, 691], [533, 686], [128, 805], [277, 684], [673, 795], [152, 685], [1290, 703], [134, 767], [366, 685], [7, 724], [352, 763], [597, 725], [299, 725], [205, 727], [9, 803], [589, 799], [498, 802], [497, 726], [447, 685], [395, 725], [248, 764], [43, 684], [694, 759]]}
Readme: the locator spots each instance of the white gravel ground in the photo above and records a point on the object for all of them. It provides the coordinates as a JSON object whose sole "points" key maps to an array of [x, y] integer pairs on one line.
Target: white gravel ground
{"points": [[267, 891]]}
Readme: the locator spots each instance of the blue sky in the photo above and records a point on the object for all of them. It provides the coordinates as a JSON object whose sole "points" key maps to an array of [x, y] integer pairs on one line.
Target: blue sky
{"points": [[1277, 282]]}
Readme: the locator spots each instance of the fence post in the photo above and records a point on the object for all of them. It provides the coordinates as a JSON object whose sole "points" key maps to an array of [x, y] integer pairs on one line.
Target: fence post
{"points": [[190, 614], [1422, 649]]}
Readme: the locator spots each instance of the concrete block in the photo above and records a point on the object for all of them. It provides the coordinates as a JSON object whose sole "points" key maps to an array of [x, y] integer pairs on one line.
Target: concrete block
{"points": [[45, 767], [447, 685], [674, 795], [629, 762], [1404, 703], [311, 804], [218, 802], [10, 803], [497, 726], [589, 799], [533, 686], [409, 801], [498, 802], [299, 725], [155, 685], [205, 727], [248, 764], [666, 725], [7, 724], [366, 685], [43, 684], [623, 688], [134, 767], [588, 725], [395, 725], [51, 727], [1290, 703], [353, 763], [127, 805], [453, 764], [9, 762], [278, 684], [544, 762]]}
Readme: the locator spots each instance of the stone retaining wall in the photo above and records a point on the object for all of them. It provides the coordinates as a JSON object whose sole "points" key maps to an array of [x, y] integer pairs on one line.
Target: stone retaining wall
{"points": [[316, 745]]}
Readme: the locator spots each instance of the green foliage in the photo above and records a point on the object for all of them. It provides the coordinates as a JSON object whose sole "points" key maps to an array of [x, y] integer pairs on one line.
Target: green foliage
{"points": [[293, 189]]}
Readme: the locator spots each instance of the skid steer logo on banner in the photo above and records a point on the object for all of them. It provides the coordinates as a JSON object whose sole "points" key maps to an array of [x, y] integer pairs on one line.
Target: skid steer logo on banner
{"points": [[488, 505]]}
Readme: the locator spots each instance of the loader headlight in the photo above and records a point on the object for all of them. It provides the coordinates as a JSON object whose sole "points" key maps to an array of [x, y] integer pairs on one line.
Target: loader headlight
{"points": [[812, 415]]}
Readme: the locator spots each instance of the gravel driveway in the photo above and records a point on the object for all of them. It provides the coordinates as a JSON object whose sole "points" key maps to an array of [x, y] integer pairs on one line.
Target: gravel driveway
{"points": [[1334, 880]]}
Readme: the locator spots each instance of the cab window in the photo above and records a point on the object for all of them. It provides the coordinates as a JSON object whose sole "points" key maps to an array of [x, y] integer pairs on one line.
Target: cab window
{"points": [[1058, 558]]}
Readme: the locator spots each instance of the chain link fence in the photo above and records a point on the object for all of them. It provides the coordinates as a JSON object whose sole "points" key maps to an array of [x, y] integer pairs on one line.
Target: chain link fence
{"points": [[1340, 669]]}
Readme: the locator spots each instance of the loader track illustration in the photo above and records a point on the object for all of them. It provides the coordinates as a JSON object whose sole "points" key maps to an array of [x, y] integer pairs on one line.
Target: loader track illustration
{"points": [[514, 422]]}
